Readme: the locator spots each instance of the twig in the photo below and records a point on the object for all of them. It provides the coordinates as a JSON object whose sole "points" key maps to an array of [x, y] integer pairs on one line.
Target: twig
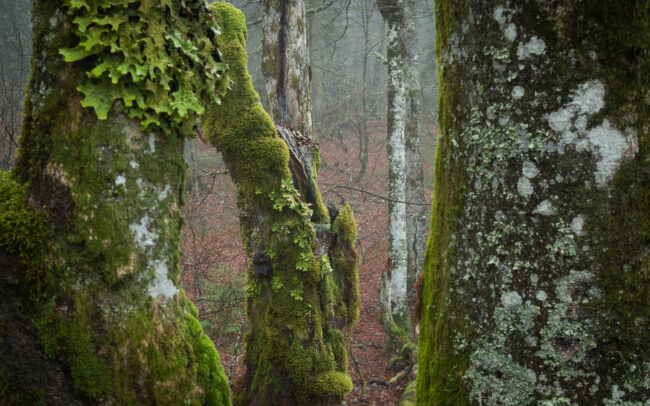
{"points": [[362, 396], [376, 195]]}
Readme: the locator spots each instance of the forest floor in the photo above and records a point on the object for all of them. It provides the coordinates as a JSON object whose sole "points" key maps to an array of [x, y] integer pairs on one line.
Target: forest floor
{"points": [[214, 263]]}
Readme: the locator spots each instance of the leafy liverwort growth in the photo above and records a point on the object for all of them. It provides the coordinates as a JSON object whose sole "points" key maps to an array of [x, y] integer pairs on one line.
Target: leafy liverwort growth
{"points": [[159, 59]]}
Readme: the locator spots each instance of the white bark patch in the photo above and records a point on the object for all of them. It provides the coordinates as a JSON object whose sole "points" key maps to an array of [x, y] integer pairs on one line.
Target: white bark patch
{"points": [[612, 146], [152, 143], [146, 240], [498, 15], [524, 187], [161, 285], [590, 97], [517, 92], [529, 170], [143, 237], [510, 32], [608, 144], [545, 208], [533, 47], [511, 299], [577, 225]]}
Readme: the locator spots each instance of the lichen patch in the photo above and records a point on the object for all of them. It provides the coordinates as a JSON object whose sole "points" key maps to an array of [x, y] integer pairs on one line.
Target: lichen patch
{"points": [[535, 46]]}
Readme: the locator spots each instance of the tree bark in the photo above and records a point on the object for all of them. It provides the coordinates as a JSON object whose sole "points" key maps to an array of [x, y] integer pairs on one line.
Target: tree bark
{"points": [[393, 13], [97, 275], [302, 278], [416, 218], [286, 66], [536, 282]]}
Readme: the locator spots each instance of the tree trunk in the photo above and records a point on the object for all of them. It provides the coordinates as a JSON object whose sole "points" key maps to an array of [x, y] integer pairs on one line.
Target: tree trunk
{"points": [[416, 227], [302, 277], [91, 223], [364, 137], [393, 13], [286, 66], [536, 285]]}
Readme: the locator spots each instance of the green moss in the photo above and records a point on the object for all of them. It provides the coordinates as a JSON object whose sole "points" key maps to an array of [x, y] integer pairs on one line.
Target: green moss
{"points": [[345, 262], [163, 67], [22, 232], [292, 344], [112, 315], [408, 396], [333, 384], [440, 368]]}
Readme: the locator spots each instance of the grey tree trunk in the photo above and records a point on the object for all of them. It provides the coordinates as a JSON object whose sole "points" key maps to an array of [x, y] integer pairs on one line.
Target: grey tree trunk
{"points": [[536, 288], [393, 13], [90, 220], [416, 217], [286, 66]]}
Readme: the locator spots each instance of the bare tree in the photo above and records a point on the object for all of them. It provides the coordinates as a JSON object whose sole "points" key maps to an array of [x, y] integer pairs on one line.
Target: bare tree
{"points": [[15, 48], [395, 304]]}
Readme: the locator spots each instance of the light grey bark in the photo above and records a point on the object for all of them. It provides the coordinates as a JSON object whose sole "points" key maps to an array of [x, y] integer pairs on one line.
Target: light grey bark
{"points": [[286, 66], [416, 218], [393, 13]]}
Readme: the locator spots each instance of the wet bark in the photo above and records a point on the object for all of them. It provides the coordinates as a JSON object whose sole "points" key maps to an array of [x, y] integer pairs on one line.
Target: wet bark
{"points": [[286, 66], [302, 281], [103, 309], [535, 288]]}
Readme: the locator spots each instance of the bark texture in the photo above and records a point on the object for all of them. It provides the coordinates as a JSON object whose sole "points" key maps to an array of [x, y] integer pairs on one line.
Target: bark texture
{"points": [[393, 14], [89, 230], [286, 66], [302, 279], [536, 276], [416, 216]]}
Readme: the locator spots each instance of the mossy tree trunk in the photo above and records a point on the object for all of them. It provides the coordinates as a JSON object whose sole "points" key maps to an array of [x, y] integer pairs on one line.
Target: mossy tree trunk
{"points": [[91, 308], [536, 276], [395, 313], [302, 278]]}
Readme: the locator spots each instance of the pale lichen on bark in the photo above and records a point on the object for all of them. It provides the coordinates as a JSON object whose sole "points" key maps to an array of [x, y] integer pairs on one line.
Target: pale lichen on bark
{"points": [[537, 144]]}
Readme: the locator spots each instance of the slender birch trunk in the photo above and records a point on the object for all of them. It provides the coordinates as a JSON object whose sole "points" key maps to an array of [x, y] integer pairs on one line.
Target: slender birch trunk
{"points": [[393, 13], [416, 226], [536, 288]]}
